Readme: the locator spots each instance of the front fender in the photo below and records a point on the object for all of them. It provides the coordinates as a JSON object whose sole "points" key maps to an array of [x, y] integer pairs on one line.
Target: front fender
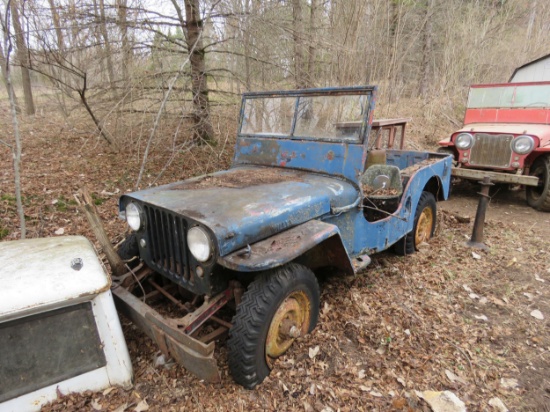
{"points": [[314, 243]]}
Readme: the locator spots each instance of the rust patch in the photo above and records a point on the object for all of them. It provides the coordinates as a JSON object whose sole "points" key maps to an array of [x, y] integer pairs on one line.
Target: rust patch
{"points": [[240, 178], [191, 213]]}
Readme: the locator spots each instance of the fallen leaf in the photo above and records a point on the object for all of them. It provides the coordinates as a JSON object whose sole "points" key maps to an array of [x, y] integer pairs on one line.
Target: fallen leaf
{"points": [[476, 256], [121, 408], [467, 288], [528, 295], [445, 401], [108, 391], [508, 383], [313, 352], [326, 309], [498, 405], [537, 314], [142, 406], [96, 405], [481, 317], [453, 378]]}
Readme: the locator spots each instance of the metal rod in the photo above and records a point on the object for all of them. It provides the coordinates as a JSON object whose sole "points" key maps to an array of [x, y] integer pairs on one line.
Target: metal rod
{"points": [[479, 223], [185, 308]]}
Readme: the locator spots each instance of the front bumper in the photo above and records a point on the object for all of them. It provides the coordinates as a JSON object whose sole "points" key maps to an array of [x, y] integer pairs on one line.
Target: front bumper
{"points": [[496, 177]]}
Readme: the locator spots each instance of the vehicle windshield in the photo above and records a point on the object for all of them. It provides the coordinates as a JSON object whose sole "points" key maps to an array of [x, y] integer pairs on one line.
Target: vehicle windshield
{"points": [[512, 96], [334, 117]]}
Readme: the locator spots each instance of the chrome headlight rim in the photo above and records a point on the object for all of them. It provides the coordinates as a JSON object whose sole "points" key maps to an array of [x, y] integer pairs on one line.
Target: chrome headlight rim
{"points": [[464, 141], [200, 244], [134, 216], [519, 140]]}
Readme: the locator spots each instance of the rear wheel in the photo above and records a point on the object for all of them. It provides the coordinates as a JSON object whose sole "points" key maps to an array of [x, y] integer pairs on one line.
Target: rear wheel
{"points": [[423, 228], [538, 197], [278, 307]]}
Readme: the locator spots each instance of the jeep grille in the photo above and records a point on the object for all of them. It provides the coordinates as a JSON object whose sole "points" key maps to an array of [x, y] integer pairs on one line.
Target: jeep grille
{"points": [[491, 150], [167, 243]]}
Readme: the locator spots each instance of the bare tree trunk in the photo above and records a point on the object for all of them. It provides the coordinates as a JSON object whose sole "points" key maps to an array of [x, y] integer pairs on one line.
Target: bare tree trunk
{"points": [[425, 71], [108, 51], [57, 26], [312, 49], [3, 63], [246, 46], [16, 152], [199, 85], [58, 72], [122, 10], [84, 100], [532, 17], [298, 31], [23, 57]]}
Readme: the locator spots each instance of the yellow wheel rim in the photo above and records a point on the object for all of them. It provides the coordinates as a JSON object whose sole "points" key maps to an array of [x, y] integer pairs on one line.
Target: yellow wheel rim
{"points": [[291, 321], [424, 226]]}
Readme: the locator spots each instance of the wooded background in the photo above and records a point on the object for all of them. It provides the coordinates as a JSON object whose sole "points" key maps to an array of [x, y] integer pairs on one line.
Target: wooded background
{"points": [[147, 64]]}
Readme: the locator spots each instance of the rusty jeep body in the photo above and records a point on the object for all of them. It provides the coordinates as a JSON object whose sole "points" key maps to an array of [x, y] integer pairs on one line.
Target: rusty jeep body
{"points": [[506, 136], [298, 199]]}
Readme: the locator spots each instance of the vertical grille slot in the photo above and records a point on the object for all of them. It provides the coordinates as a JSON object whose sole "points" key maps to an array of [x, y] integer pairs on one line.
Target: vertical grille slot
{"points": [[491, 150], [167, 246]]}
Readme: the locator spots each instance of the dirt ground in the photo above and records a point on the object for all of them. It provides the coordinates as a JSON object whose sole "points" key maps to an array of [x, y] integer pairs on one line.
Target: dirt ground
{"points": [[446, 318]]}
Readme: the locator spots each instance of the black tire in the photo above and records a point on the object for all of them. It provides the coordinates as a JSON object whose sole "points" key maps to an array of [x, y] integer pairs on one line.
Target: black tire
{"points": [[425, 209], [538, 197], [129, 250], [275, 292]]}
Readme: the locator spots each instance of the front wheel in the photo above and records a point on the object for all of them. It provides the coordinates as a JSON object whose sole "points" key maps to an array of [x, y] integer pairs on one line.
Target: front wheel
{"points": [[279, 306], [538, 197], [423, 228]]}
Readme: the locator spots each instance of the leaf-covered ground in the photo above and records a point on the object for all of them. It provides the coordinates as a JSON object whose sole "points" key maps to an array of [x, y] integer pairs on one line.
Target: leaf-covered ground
{"points": [[447, 318]]}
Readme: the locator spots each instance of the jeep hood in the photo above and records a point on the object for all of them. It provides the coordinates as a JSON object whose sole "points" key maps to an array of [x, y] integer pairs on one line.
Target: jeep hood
{"points": [[246, 204]]}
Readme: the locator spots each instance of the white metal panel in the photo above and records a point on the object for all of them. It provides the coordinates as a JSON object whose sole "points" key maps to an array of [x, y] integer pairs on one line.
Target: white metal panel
{"points": [[117, 371], [535, 72], [37, 273]]}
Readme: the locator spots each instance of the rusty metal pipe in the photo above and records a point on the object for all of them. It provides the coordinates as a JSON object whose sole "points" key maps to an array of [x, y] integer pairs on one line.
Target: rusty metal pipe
{"points": [[479, 223], [214, 318]]}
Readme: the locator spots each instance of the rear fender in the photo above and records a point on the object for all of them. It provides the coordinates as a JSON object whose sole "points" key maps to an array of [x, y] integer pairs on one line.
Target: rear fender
{"points": [[315, 244]]}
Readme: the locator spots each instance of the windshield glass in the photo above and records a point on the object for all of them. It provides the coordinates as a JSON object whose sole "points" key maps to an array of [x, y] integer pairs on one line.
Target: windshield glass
{"points": [[320, 117], [509, 96]]}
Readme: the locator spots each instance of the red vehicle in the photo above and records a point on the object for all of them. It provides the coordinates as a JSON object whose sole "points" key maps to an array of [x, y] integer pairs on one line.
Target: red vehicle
{"points": [[506, 136]]}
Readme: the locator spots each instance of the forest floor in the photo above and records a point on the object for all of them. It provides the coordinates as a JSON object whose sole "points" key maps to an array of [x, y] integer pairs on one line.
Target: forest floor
{"points": [[446, 318]]}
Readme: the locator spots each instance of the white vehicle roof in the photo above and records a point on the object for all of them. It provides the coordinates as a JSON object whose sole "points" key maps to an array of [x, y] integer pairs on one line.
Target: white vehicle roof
{"points": [[35, 273]]}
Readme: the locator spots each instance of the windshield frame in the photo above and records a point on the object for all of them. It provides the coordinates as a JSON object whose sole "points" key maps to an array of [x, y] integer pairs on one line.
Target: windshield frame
{"points": [[508, 98], [369, 92]]}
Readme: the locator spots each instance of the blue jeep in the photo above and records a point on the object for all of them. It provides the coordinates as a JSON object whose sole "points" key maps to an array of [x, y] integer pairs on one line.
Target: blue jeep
{"points": [[304, 193]]}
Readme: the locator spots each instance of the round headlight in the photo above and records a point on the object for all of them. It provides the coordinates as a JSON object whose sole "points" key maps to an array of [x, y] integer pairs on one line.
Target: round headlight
{"points": [[523, 144], [464, 141], [199, 244], [133, 216]]}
